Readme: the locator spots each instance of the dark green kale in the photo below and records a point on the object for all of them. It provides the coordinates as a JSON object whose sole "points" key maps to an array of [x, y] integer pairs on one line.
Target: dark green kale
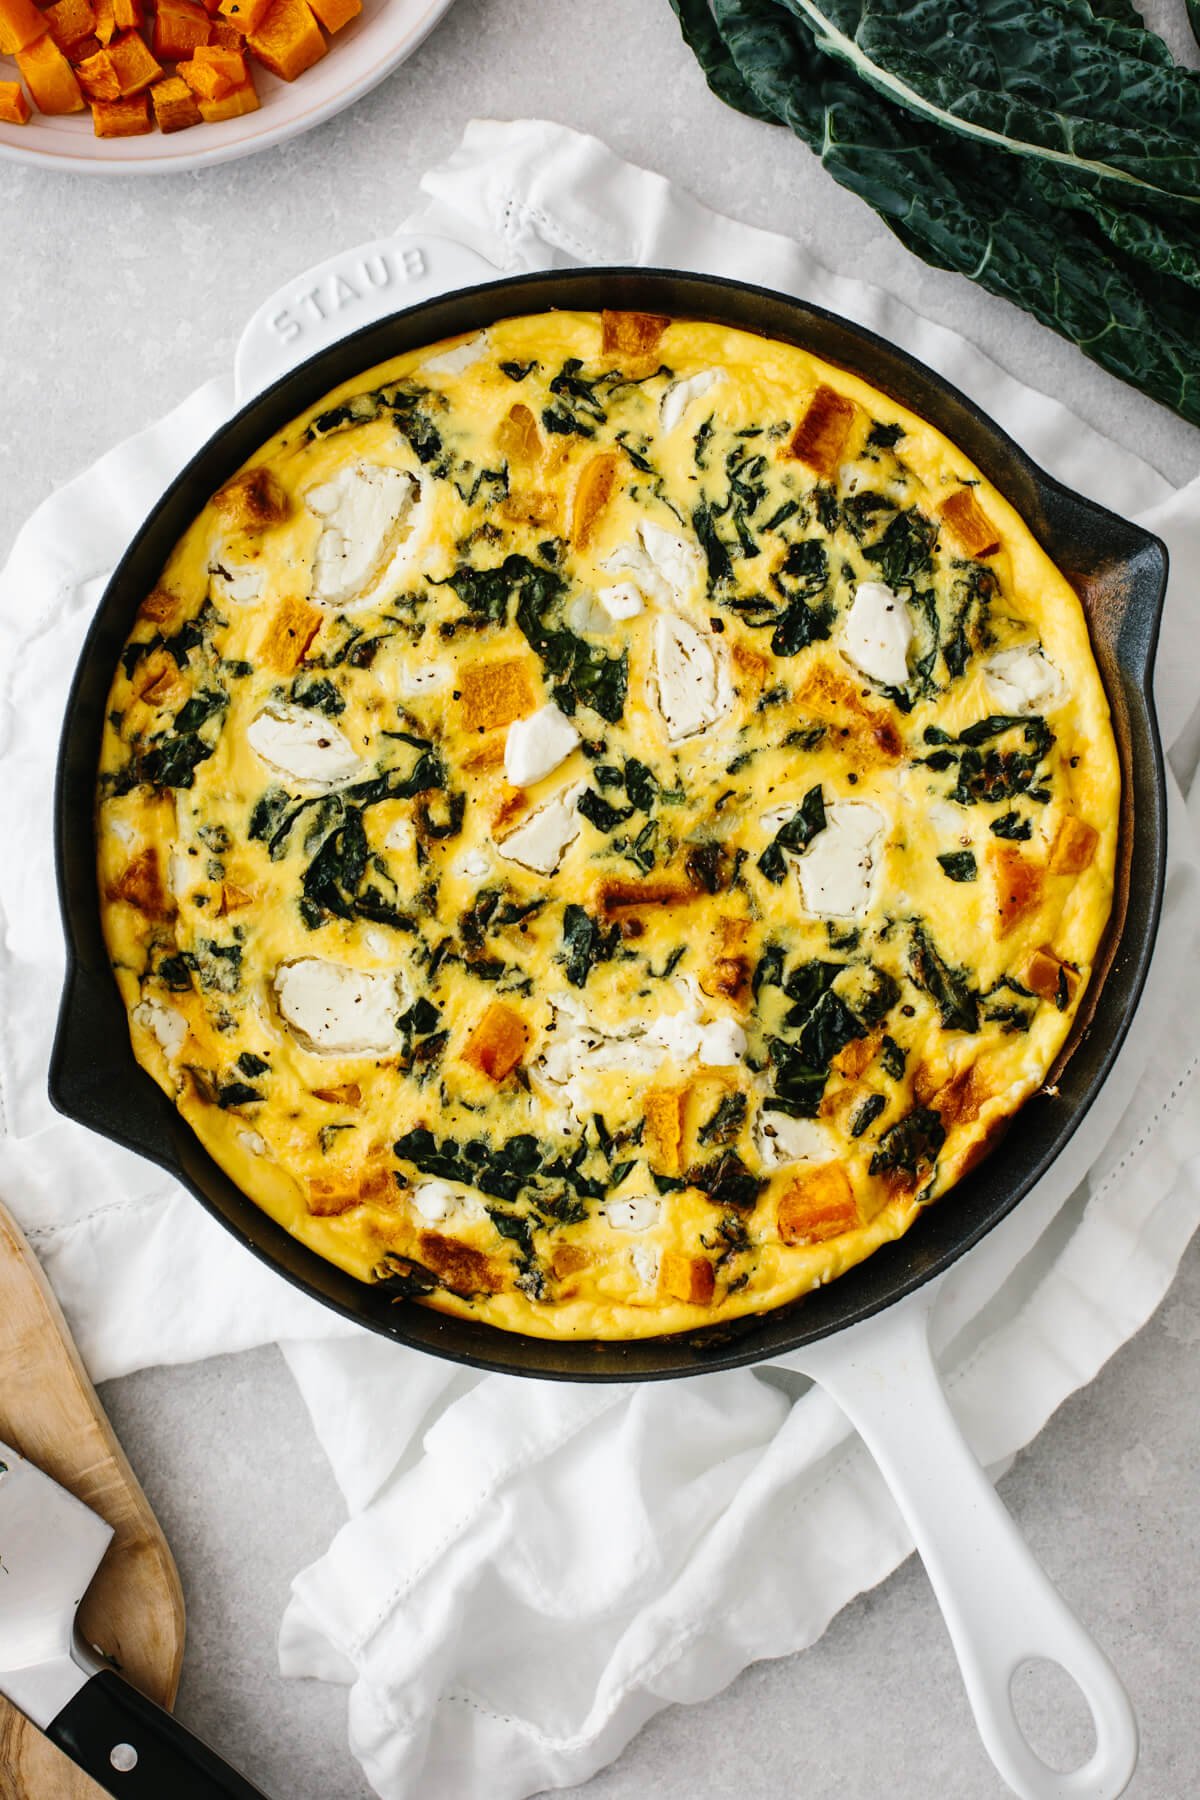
{"points": [[727, 1181], [1055, 166], [599, 813], [911, 1145], [866, 1114], [726, 1122], [949, 988], [319, 694], [585, 943], [959, 865], [794, 834], [905, 549], [1011, 825], [583, 673], [884, 437], [236, 1093], [987, 776]]}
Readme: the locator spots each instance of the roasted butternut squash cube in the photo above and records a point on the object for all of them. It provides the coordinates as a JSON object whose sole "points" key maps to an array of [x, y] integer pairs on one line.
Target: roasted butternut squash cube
{"points": [[329, 1195], [50, 77], [294, 625], [820, 437], [81, 50], [664, 1109], [122, 118], [631, 334], [180, 26], [518, 437], [333, 14], [288, 40], [1049, 977], [348, 1093], [136, 68], [498, 1042], [247, 15], [106, 22], [1018, 886], [223, 36], [174, 105], [70, 20], [968, 524], [686, 1277], [128, 15], [818, 1205], [593, 491], [142, 886], [458, 1266], [1074, 847], [496, 693], [568, 1260], [21, 24], [14, 106], [252, 501], [213, 73], [239, 100]]}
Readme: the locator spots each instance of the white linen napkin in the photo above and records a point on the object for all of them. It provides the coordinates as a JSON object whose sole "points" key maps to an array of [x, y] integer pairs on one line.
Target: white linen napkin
{"points": [[529, 1571]]}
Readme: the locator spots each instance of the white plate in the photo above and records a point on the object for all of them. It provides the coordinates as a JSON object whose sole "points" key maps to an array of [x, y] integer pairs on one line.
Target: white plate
{"points": [[362, 53]]}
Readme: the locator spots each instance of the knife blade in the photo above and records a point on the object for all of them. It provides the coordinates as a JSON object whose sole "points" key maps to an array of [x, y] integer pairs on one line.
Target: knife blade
{"points": [[51, 1545]]}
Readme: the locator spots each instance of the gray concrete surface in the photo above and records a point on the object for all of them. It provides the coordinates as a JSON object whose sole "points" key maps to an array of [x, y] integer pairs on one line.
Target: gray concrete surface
{"points": [[116, 299]]}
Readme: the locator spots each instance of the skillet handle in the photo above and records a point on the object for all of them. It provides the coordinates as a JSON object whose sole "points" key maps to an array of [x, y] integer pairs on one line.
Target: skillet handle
{"points": [[344, 293], [1000, 1608]]}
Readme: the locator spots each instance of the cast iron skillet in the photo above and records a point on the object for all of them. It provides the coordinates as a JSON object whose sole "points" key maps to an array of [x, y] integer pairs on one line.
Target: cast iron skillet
{"points": [[1119, 572], [865, 1337]]}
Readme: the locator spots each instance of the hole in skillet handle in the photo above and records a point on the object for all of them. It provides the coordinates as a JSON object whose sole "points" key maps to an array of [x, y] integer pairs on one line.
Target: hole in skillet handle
{"points": [[1053, 1715]]}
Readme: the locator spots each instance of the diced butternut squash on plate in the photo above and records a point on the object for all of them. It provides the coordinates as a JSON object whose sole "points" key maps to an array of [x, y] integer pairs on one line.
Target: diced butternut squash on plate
{"points": [[180, 27], [289, 39], [50, 77], [98, 77], [238, 100], [136, 68], [247, 15], [128, 117], [174, 104], [70, 20], [188, 58], [21, 24], [212, 74], [333, 14], [14, 106]]}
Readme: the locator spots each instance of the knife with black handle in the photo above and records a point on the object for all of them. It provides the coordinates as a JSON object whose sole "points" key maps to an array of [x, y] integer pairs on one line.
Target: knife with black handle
{"points": [[51, 1545]]}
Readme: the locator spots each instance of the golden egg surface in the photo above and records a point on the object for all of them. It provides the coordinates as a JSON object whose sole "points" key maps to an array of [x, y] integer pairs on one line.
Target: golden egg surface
{"points": [[601, 821]]}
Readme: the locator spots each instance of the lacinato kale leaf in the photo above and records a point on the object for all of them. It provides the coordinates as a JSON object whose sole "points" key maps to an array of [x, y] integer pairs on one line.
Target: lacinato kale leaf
{"points": [[959, 865], [911, 1145], [949, 988], [794, 834], [585, 943], [1049, 152]]}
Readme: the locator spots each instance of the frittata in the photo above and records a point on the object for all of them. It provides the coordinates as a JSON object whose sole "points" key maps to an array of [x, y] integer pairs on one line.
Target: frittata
{"points": [[602, 820]]}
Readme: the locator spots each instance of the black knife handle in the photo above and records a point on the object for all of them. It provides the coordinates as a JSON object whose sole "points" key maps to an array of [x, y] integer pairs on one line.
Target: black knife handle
{"points": [[109, 1726]]}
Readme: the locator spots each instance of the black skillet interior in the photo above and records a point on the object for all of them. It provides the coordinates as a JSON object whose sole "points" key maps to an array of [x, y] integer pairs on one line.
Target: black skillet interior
{"points": [[1119, 572]]}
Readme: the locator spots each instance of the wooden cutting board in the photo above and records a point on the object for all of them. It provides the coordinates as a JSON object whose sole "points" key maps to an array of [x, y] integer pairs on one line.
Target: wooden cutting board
{"points": [[134, 1608]]}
